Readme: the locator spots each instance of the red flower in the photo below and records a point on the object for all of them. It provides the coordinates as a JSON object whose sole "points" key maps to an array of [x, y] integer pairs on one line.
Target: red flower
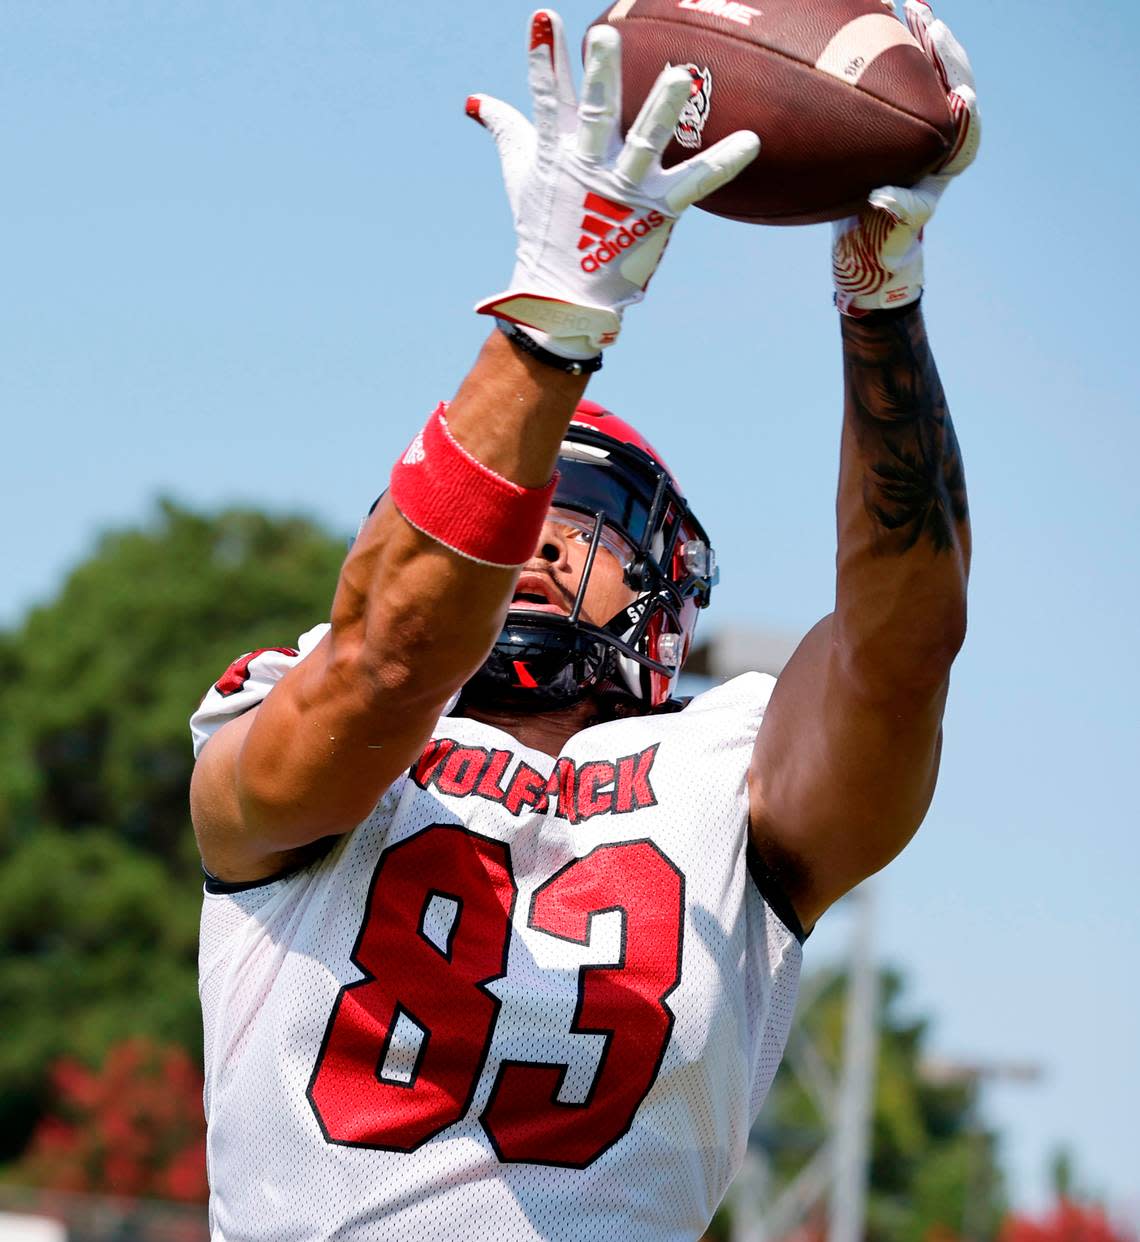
{"points": [[1067, 1222], [133, 1127]]}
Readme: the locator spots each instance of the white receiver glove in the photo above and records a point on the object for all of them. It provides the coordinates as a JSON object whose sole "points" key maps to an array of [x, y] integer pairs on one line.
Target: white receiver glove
{"points": [[592, 214], [876, 257]]}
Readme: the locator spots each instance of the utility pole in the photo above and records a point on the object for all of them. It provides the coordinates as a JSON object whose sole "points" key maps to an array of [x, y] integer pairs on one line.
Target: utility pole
{"points": [[973, 1075], [851, 1153], [835, 1173]]}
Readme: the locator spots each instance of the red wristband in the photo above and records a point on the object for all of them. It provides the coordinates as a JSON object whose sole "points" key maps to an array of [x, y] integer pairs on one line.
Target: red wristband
{"points": [[446, 494]]}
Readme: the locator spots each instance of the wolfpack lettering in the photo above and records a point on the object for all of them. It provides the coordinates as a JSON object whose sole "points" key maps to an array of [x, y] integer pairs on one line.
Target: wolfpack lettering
{"points": [[729, 10], [599, 787], [625, 237]]}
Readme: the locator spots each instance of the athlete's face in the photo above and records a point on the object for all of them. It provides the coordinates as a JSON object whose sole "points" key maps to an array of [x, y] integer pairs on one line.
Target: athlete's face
{"points": [[549, 580]]}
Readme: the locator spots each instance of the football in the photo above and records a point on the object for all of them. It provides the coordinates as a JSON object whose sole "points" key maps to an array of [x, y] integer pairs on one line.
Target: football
{"points": [[841, 94]]}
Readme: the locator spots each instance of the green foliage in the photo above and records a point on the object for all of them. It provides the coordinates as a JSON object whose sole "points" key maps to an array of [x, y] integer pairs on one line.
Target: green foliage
{"points": [[99, 885], [1061, 1174], [100, 682], [720, 1227], [97, 943], [928, 1155]]}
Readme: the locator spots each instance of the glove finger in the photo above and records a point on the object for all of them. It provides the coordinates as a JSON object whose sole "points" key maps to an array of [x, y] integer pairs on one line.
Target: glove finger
{"points": [[513, 134], [600, 109], [649, 135], [910, 209], [956, 68], [943, 50], [551, 86], [698, 177], [968, 124], [563, 75], [919, 18], [894, 217]]}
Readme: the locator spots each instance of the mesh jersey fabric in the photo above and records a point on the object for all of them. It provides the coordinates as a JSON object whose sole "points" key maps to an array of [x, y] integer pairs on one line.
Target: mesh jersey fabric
{"points": [[601, 1081]]}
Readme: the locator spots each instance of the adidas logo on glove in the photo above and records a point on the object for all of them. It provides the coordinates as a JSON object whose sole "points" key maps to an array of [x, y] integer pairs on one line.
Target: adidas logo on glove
{"points": [[602, 216]]}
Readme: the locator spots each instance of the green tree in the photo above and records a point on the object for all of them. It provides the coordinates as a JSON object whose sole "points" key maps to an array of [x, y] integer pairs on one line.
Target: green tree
{"points": [[97, 943], [929, 1155], [99, 881], [98, 684]]}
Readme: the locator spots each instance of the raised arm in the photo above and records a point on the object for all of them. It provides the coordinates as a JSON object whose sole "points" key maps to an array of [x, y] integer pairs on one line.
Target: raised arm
{"points": [[425, 589], [411, 620], [845, 765]]}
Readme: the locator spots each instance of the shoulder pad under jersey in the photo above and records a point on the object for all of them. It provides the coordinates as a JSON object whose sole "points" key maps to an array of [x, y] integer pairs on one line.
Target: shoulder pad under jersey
{"points": [[246, 682]]}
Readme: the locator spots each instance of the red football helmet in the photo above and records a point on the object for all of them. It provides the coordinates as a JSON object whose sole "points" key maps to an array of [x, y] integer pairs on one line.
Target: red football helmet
{"points": [[629, 499]]}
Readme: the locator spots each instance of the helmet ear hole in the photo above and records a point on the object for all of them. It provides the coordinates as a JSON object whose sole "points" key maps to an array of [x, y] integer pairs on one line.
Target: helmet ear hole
{"points": [[637, 574]]}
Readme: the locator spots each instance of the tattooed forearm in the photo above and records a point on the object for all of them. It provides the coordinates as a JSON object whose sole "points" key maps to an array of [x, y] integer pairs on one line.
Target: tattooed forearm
{"points": [[914, 487]]}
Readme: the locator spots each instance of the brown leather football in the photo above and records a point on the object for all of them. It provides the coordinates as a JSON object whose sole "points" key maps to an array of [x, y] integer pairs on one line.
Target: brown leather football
{"points": [[842, 96]]}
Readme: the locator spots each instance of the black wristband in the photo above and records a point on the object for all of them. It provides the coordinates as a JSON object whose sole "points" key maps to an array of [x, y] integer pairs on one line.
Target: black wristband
{"points": [[527, 343]]}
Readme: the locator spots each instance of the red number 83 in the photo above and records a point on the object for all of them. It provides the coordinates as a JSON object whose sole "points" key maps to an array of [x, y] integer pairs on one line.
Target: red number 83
{"points": [[440, 986]]}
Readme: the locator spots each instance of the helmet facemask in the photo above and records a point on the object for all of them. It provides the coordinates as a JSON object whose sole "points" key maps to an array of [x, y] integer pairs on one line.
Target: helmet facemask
{"points": [[631, 506]]}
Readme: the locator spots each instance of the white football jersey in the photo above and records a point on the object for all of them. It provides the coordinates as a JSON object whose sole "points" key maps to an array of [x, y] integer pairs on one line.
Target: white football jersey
{"points": [[528, 997]]}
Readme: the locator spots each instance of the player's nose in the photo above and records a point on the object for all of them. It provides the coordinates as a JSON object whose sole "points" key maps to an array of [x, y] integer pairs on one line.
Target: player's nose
{"points": [[552, 547]]}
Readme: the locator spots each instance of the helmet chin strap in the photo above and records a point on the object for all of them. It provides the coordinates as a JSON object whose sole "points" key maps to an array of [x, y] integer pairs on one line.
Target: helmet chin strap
{"points": [[543, 663], [540, 664]]}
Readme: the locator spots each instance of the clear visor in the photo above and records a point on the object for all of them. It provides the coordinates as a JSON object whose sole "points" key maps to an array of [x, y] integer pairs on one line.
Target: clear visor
{"points": [[579, 528]]}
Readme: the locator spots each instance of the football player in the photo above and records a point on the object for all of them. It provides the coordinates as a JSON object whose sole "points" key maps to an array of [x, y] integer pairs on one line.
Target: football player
{"points": [[501, 941]]}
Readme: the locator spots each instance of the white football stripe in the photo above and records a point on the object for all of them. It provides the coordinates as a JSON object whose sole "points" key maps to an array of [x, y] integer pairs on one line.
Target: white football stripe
{"points": [[620, 10], [852, 51]]}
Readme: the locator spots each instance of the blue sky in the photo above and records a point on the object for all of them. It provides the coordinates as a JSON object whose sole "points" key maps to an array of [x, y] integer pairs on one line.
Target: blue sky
{"points": [[239, 245]]}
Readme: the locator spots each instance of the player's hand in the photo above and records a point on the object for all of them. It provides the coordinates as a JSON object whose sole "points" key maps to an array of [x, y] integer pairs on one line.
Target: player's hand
{"points": [[876, 257], [592, 213]]}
